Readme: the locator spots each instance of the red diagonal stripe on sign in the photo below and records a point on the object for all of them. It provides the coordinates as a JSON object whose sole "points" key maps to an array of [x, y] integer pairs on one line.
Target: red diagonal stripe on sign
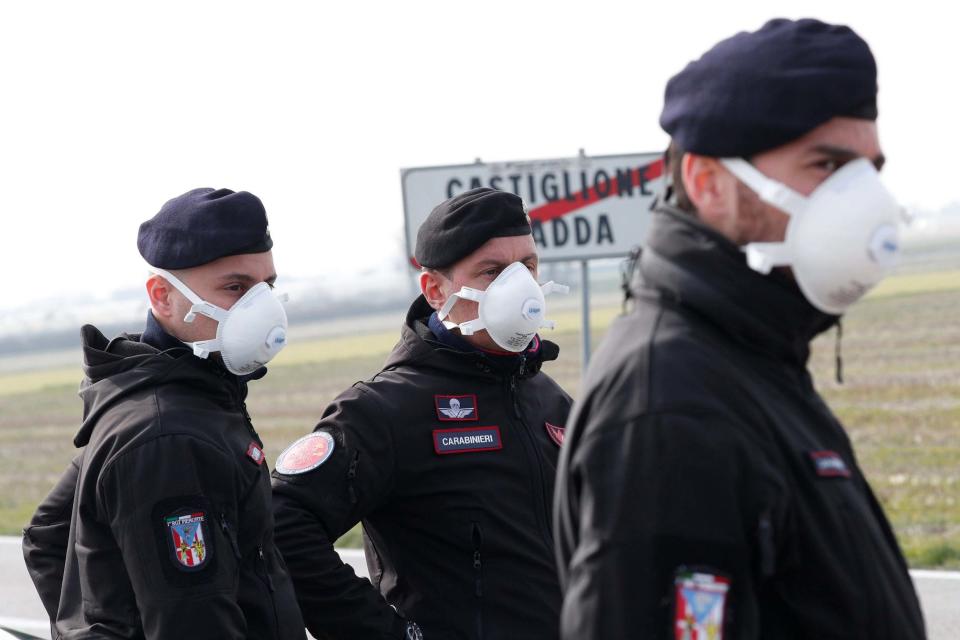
{"points": [[559, 208]]}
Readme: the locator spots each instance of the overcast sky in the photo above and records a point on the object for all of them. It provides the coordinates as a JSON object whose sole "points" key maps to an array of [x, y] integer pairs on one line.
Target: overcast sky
{"points": [[111, 108]]}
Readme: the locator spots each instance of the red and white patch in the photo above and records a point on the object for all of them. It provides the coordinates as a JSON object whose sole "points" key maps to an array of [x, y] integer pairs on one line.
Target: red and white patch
{"points": [[829, 464], [701, 603], [255, 453], [306, 454], [555, 433]]}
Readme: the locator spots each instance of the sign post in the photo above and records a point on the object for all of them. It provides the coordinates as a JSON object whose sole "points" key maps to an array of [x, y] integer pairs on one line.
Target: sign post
{"points": [[581, 208], [585, 314]]}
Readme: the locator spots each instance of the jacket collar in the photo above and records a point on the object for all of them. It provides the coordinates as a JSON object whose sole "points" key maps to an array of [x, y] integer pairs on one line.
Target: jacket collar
{"points": [[155, 336], [699, 269], [116, 368]]}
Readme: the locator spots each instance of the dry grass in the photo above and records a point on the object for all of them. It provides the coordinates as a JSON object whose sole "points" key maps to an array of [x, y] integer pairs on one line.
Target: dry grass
{"points": [[901, 405]]}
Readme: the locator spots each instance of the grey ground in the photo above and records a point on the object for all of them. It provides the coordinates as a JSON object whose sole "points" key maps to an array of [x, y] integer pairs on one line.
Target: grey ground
{"points": [[20, 607]]}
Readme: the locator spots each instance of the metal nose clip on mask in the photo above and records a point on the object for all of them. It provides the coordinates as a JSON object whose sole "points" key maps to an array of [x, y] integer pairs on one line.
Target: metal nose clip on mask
{"points": [[249, 334], [511, 309], [841, 240]]}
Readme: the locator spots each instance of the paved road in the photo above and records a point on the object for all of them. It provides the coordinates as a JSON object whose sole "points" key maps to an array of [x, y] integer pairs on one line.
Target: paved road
{"points": [[20, 607]]}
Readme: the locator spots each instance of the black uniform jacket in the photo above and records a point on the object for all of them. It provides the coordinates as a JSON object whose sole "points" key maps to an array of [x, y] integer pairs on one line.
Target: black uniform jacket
{"points": [[448, 459], [705, 482], [161, 528]]}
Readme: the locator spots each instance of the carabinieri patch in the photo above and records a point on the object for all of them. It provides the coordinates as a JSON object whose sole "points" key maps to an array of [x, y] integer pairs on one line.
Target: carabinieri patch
{"points": [[467, 440]]}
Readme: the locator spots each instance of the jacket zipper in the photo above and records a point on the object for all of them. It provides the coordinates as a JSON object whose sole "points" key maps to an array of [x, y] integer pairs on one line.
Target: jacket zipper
{"points": [[266, 574], [531, 443], [242, 405], [767, 550], [249, 423], [478, 577], [269, 582], [266, 579], [225, 527], [352, 476]]}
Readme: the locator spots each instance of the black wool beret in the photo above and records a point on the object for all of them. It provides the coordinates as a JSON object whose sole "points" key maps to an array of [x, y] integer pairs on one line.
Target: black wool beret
{"points": [[203, 225], [459, 226], [759, 90]]}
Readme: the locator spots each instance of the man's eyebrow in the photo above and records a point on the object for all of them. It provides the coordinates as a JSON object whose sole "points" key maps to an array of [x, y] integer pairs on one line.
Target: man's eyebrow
{"points": [[247, 278], [846, 155], [492, 262]]}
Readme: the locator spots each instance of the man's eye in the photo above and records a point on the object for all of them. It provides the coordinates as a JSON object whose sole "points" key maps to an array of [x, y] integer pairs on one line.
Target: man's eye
{"points": [[491, 272], [829, 165], [236, 288]]}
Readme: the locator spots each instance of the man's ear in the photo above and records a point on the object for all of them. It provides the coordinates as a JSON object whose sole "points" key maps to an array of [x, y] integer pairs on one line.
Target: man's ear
{"points": [[160, 293], [711, 189], [430, 286]]}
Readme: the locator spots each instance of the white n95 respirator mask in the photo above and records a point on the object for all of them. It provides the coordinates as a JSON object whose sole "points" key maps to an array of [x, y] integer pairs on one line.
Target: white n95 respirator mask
{"points": [[511, 309], [841, 240], [249, 334]]}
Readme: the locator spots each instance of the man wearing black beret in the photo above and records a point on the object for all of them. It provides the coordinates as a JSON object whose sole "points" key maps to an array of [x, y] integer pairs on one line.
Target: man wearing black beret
{"points": [[162, 526], [447, 455], [706, 490]]}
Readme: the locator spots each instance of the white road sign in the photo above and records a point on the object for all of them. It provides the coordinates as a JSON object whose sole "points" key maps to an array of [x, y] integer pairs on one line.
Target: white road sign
{"points": [[580, 208]]}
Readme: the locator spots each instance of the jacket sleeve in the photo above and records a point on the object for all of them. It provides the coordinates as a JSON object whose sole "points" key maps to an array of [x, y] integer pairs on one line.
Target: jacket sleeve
{"points": [[653, 511], [45, 539], [171, 505], [314, 508]]}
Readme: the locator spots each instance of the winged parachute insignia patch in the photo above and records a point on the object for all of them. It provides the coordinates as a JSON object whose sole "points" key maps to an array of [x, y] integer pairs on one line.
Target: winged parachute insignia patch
{"points": [[456, 408]]}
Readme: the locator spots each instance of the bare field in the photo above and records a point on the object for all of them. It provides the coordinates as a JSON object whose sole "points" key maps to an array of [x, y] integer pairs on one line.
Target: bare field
{"points": [[900, 403]]}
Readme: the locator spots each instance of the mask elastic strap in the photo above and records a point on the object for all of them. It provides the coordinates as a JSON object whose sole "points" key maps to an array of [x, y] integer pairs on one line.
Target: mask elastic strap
{"points": [[770, 191], [553, 287], [548, 288], [200, 305], [467, 328], [204, 348], [465, 293], [764, 256]]}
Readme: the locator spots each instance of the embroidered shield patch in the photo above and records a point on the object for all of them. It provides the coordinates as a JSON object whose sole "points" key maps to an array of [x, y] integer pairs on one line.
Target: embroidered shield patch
{"points": [[700, 605], [188, 536], [457, 408], [306, 454], [555, 433]]}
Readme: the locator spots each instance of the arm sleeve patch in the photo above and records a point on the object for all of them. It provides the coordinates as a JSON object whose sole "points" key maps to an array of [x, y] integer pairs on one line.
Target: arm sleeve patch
{"points": [[306, 454], [185, 531]]}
